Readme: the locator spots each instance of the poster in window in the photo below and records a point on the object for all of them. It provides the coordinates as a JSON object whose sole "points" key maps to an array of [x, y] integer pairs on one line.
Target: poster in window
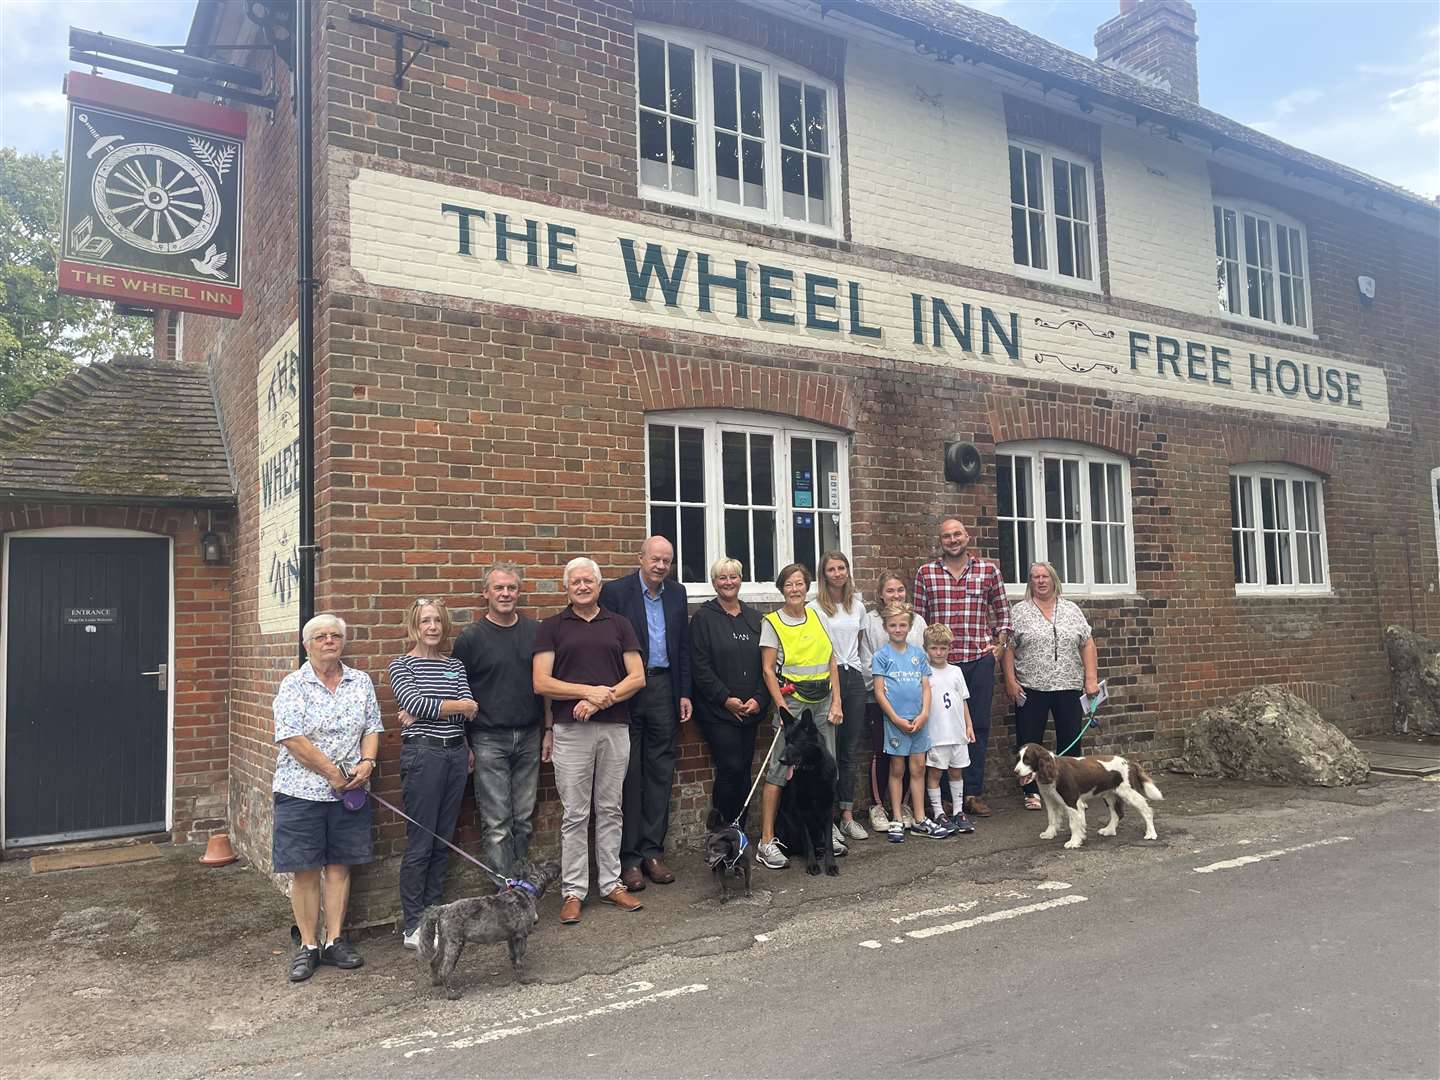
{"points": [[803, 488], [834, 489]]}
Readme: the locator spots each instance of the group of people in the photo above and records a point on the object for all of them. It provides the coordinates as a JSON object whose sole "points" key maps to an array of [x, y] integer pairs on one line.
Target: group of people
{"points": [[601, 689]]}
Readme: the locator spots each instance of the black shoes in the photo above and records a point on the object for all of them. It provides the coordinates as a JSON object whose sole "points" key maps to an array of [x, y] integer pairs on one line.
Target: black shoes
{"points": [[341, 954], [303, 963]]}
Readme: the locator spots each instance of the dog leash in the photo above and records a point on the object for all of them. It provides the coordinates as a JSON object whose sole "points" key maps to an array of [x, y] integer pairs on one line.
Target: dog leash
{"points": [[758, 777], [507, 882], [1090, 720]]}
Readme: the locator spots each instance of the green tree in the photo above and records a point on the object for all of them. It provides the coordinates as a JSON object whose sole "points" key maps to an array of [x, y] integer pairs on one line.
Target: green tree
{"points": [[44, 333]]}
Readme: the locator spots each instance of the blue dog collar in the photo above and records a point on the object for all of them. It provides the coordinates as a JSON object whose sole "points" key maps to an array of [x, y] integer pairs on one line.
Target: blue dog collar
{"points": [[523, 886]]}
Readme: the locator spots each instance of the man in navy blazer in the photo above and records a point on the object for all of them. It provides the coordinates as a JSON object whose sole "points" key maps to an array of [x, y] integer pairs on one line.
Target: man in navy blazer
{"points": [[655, 603]]}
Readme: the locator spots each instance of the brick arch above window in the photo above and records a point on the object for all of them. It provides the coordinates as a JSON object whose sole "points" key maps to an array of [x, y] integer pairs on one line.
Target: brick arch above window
{"points": [[675, 382], [1249, 445], [1012, 420]]}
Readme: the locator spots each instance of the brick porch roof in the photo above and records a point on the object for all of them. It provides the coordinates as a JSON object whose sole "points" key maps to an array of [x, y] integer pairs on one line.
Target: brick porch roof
{"points": [[979, 36], [131, 430]]}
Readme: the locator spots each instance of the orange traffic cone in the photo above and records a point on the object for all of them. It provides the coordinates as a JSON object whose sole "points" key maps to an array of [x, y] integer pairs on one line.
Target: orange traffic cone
{"points": [[218, 851]]}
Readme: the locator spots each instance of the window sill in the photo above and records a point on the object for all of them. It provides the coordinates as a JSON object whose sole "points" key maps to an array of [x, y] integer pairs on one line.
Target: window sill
{"points": [[1056, 280], [1282, 592], [728, 216], [1015, 593], [1244, 322]]}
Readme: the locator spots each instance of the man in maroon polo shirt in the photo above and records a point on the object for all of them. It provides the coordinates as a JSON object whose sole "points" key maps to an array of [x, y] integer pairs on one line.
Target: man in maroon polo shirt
{"points": [[587, 662]]}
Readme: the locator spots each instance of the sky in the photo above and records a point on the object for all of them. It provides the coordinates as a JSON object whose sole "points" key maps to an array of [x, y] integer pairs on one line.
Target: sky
{"points": [[1357, 81]]}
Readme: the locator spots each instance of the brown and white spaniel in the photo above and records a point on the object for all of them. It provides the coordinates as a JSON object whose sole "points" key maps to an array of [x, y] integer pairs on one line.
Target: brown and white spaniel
{"points": [[1067, 784]]}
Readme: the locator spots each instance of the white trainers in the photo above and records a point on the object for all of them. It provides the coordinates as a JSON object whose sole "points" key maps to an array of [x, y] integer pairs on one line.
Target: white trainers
{"points": [[837, 841], [878, 821], [851, 829], [770, 856], [907, 819], [411, 940]]}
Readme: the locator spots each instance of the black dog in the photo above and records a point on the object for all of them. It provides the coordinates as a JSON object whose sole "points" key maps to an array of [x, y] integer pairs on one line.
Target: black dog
{"points": [[508, 915], [807, 803], [728, 854]]}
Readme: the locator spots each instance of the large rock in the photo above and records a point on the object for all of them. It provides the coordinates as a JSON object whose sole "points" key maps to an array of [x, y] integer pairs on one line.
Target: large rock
{"points": [[1270, 734], [1414, 680]]}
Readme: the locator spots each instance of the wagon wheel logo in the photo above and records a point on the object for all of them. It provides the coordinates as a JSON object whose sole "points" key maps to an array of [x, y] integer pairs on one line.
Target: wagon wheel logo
{"points": [[155, 198]]}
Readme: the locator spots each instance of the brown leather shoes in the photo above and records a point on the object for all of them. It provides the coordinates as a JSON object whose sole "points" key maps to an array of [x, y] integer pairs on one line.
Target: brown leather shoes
{"points": [[975, 806], [632, 879], [570, 911], [656, 871], [620, 897]]}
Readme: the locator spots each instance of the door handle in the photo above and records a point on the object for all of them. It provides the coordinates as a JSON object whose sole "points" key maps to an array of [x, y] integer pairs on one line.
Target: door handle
{"points": [[161, 676]]}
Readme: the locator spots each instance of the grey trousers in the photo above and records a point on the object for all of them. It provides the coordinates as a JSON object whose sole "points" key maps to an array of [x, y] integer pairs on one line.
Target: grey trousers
{"points": [[507, 773], [590, 762]]}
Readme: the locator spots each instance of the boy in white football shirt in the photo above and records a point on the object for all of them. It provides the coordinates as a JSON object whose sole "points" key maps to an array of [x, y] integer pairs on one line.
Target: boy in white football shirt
{"points": [[951, 731]]}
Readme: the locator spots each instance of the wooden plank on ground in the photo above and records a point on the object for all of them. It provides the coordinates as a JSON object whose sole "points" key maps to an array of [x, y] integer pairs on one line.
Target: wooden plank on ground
{"points": [[81, 860]]}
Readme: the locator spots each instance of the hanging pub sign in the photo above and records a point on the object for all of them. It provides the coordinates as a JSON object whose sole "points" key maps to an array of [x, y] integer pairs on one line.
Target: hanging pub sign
{"points": [[152, 198]]}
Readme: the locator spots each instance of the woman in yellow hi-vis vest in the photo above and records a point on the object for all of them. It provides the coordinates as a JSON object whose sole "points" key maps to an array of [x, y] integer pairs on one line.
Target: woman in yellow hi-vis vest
{"points": [[798, 663]]}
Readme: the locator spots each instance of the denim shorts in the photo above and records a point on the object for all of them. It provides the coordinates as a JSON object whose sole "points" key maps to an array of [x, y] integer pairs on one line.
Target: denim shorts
{"points": [[900, 744], [309, 834]]}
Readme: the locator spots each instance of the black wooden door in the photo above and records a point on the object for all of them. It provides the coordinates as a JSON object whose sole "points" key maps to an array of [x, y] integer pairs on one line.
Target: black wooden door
{"points": [[86, 728]]}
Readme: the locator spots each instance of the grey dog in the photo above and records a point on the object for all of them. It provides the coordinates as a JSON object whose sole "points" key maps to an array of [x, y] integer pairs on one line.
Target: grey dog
{"points": [[508, 915]]}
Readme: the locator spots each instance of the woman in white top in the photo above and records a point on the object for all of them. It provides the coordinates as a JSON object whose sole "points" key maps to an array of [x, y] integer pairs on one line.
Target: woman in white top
{"points": [[1051, 660], [890, 588], [843, 614]]}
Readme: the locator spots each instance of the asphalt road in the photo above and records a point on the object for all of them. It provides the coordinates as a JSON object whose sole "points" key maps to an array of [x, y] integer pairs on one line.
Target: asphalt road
{"points": [[1318, 958]]}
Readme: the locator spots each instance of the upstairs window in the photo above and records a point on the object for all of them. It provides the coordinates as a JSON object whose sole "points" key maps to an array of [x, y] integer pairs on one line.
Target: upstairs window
{"points": [[1068, 505], [747, 486], [1260, 266], [739, 135], [1277, 530], [1052, 215]]}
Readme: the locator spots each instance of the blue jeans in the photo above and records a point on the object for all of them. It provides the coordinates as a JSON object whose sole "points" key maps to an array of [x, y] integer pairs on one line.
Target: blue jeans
{"points": [[507, 775]]}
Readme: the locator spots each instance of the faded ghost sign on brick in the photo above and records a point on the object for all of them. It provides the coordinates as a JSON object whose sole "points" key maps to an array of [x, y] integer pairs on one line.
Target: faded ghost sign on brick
{"points": [[277, 388]]}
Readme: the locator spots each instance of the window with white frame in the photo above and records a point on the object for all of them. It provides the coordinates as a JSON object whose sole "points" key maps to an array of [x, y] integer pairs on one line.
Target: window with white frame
{"points": [[1069, 505], [748, 486], [1260, 266], [1277, 529], [738, 134], [1435, 506], [1052, 214]]}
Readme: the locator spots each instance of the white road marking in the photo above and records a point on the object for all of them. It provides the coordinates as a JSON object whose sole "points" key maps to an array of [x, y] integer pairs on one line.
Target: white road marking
{"points": [[871, 945], [1053, 885], [762, 938], [1246, 860], [1011, 894], [989, 917], [948, 909], [496, 1034]]}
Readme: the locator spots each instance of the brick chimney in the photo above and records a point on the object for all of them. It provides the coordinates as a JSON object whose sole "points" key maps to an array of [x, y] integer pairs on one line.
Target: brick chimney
{"points": [[1155, 40]]}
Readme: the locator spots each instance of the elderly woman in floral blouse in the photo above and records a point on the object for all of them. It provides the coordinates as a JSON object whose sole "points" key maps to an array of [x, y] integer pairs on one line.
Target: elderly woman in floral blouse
{"points": [[327, 725], [1051, 660]]}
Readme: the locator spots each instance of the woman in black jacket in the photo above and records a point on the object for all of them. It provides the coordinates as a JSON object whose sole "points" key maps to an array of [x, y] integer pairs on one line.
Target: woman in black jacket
{"points": [[730, 697]]}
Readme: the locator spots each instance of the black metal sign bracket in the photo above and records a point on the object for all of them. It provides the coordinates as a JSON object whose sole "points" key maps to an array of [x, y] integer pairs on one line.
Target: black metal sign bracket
{"points": [[422, 41]]}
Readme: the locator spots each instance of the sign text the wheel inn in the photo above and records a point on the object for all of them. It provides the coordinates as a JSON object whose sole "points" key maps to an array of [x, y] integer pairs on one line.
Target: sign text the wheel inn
{"points": [[152, 198]]}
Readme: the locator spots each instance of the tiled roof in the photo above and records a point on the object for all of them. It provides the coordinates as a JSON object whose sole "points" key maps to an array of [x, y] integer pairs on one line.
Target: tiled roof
{"points": [[128, 430], [991, 39]]}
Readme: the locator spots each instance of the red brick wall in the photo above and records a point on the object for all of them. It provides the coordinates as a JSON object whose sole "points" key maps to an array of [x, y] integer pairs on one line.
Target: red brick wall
{"points": [[452, 435], [202, 644]]}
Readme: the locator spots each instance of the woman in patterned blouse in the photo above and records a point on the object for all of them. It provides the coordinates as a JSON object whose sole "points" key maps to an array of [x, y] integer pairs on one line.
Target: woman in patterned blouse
{"points": [[1050, 661], [434, 696]]}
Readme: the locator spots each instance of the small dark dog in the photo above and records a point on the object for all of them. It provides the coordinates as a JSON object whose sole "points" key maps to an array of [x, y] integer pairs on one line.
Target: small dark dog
{"points": [[807, 804], [508, 915], [728, 854]]}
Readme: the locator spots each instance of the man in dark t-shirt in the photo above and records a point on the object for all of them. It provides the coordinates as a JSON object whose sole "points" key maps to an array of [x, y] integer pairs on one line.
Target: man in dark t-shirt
{"points": [[587, 665], [496, 650]]}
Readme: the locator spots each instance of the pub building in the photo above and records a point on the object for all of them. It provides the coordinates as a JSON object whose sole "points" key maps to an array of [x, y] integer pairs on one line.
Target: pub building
{"points": [[756, 276]]}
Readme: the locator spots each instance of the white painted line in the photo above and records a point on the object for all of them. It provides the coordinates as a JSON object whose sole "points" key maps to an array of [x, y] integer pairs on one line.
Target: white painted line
{"points": [[1053, 885], [948, 909], [762, 938], [871, 945], [1011, 894], [1246, 860], [995, 916], [496, 1034]]}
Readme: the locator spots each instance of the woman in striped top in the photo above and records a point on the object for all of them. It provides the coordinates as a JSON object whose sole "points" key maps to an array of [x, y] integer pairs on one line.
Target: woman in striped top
{"points": [[435, 701]]}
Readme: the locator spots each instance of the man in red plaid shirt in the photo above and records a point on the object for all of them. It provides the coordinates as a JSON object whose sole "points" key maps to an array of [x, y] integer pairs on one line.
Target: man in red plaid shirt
{"points": [[967, 594]]}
